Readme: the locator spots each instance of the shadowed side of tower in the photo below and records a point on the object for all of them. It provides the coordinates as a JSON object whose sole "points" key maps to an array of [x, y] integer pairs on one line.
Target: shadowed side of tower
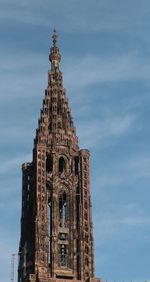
{"points": [[56, 227]]}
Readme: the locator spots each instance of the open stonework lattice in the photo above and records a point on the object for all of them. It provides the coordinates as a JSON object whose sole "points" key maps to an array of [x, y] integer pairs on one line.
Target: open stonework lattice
{"points": [[56, 241]]}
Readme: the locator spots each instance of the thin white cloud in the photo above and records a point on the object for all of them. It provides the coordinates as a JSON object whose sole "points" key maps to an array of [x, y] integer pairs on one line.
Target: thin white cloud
{"points": [[13, 163], [26, 78], [91, 70], [24, 73], [73, 15], [104, 132], [127, 170], [113, 226]]}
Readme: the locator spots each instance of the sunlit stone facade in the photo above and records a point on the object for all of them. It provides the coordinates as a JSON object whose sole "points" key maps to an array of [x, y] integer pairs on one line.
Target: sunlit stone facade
{"points": [[56, 227]]}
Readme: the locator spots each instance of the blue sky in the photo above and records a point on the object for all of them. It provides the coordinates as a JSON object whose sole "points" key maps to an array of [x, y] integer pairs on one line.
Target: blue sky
{"points": [[105, 47]]}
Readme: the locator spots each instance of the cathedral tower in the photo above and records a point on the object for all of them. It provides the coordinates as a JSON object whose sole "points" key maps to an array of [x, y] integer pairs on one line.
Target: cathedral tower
{"points": [[56, 241]]}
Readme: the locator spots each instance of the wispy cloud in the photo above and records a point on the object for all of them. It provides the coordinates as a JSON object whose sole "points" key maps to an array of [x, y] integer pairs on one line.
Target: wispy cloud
{"points": [[104, 132], [92, 70], [129, 218], [126, 171], [106, 62], [103, 15], [27, 73], [12, 163]]}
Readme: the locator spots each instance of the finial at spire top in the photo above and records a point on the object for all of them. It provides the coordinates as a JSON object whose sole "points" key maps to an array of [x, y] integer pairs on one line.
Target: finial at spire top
{"points": [[54, 56], [55, 37]]}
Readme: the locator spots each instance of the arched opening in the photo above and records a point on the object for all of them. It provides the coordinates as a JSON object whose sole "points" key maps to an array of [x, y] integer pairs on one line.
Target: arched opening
{"points": [[63, 209], [61, 165], [49, 163]]}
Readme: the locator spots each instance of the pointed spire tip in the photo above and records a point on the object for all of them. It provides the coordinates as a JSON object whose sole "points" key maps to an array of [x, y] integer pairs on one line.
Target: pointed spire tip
{"points": [[54, 56], [55, 36]]}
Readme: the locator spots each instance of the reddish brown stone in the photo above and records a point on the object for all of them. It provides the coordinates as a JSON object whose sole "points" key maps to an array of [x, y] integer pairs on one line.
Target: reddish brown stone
{"points": [[56, 226]]}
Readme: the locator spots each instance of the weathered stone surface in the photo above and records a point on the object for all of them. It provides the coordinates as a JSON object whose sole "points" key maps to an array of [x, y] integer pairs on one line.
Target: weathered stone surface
{"points": [[56, 241]]}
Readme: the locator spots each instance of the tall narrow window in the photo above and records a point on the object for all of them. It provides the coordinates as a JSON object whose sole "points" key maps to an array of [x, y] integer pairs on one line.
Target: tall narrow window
{"points": [[49, 163], [61, 164], [49, 231], [76, 162], [63, 209]]}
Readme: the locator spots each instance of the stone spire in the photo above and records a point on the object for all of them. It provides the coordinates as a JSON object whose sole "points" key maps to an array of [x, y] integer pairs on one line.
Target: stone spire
{"points": [[56, 242], [56, 123]]}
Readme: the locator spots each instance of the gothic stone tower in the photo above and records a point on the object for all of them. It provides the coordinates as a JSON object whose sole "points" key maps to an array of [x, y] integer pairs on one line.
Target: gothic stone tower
{"points": [[56, 227]]}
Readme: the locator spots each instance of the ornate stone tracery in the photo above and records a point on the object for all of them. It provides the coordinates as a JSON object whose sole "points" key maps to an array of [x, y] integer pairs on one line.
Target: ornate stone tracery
{"points": [[56, 226]]}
